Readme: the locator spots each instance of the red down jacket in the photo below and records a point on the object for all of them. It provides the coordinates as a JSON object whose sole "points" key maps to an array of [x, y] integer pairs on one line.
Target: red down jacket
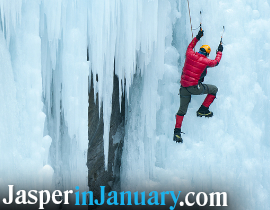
{"points": [[196, 64]]}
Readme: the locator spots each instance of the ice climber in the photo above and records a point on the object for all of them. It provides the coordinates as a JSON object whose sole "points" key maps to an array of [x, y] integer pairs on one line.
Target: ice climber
{"points": [[194, 71]]}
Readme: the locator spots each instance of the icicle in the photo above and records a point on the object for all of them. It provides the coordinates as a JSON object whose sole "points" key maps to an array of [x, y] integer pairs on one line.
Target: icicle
{"points": [[116, 33], [10, 16]]}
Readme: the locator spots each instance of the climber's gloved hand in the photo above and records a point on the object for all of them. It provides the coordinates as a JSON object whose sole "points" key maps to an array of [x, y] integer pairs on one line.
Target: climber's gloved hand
{"points": [[200, 34], [220, 48]]}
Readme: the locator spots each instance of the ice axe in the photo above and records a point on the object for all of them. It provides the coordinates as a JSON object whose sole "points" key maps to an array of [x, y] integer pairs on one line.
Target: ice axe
{"points": [[200, 20], [222, 34]]}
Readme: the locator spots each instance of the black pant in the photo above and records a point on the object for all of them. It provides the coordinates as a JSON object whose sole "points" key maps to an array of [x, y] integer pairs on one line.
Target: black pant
{"points": [[186, 92]]}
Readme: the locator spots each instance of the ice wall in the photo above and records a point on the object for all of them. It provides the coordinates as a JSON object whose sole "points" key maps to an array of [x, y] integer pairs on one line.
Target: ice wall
{"points": [[65, 70], [48, 42], [44, 95], [227, 152], [45, 82], [22, 150]]}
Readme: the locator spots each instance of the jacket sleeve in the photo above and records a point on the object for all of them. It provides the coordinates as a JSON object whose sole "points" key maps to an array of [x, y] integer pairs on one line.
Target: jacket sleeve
{"points": [[191, 45], [212, 63]]}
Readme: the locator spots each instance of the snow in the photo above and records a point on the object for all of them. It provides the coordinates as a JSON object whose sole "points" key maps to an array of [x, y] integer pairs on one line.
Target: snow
{"points": [[44, 94]]}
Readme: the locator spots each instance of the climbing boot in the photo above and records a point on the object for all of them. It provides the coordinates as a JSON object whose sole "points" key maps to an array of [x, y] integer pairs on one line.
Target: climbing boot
{"points": [[204, 111], [177, 135]]}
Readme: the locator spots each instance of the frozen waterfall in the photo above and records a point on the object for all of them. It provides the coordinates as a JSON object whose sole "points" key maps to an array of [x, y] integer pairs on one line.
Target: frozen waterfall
{"points": [[50, 49]]}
